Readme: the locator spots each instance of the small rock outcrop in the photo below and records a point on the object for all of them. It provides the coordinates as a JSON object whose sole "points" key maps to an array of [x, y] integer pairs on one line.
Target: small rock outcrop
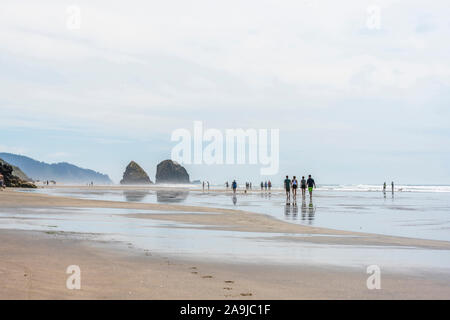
{"points": [[11, 180], [169, 171], [134, 174]]}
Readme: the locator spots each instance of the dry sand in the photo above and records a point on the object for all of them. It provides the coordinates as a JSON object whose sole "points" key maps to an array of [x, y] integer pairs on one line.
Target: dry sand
{"points": [[33, 264]]}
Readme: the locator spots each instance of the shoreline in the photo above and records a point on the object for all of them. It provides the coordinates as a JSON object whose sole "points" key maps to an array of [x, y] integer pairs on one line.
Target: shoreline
{"points": [[225, 219]]}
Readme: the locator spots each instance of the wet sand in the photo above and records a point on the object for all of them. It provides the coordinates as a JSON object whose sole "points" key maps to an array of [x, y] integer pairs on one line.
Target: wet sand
{"points": [[33, 264], [223, 219]]}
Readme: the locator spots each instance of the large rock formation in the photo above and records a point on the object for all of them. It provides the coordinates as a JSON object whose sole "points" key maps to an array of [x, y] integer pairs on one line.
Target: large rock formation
{"points": [[11, 180], [169, 171], [134, 174]]}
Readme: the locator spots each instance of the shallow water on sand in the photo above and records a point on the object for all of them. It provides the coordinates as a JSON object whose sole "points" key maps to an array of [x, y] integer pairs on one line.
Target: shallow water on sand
{"points": [[418, 215], [191, 241]]}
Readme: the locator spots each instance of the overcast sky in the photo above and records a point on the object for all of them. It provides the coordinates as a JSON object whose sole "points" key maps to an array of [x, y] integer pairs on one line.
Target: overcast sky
{"points": [[354, 103]]}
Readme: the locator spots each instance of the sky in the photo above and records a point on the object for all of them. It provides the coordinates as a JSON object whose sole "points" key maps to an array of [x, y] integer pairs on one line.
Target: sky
{"points": [[358, 97]]}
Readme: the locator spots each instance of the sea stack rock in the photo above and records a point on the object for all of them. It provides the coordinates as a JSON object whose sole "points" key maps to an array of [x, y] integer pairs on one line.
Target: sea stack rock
{"points": [[134, 174], [10, 179], [169, 171]]}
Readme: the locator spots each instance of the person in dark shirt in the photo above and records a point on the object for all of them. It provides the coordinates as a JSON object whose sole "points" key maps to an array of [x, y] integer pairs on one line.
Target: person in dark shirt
{"points": [[311, 184], [287, 187], [234, 186], [303, 185]]}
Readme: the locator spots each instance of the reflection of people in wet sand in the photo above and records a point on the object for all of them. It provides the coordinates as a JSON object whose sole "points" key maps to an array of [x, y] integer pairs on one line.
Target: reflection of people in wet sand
{"points": [[295, 210], [311, 211], [303, 208], [234, 199], [287, 209], [287, 187]]}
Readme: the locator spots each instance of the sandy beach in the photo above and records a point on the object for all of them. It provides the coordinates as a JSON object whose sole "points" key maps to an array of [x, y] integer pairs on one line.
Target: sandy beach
{"points": [[33, 263]]}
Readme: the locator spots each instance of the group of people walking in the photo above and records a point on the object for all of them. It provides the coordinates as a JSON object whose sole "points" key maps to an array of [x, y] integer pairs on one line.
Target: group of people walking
{"points": [[294, 184], [289, 185], [267, 185]]}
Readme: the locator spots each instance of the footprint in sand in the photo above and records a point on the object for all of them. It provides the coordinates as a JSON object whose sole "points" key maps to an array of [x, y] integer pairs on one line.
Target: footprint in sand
{"points": [[207, 277], [194, 272], [227, 288], [229, 281], [246, 294], [193, 268]]}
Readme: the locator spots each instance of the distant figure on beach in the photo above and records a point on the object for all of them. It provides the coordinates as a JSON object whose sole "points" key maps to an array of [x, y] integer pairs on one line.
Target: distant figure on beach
{"points": [[294, 188], [234, 186], [287, 187], [392, 184], [311, 184], [250, 186], [2, 182], [262, 186], [265, 185], [384, 187], [208, 185], [269, 185], [303, 185], [203, 184], [227, 185]]}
